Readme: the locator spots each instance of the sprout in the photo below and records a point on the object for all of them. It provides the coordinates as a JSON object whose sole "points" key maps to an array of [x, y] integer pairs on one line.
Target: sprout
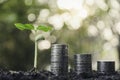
{"points": [[21, 26]]}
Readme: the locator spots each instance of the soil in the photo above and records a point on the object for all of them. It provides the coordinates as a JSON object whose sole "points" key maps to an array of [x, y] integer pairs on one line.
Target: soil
{"points": [[47, 75]]}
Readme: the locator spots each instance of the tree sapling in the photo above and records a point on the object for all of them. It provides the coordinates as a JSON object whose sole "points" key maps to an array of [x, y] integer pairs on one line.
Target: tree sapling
{"points": [[21, 26]]}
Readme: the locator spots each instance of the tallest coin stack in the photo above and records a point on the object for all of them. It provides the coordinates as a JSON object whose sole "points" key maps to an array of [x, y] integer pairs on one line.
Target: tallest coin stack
{"points": [[59, 59]]}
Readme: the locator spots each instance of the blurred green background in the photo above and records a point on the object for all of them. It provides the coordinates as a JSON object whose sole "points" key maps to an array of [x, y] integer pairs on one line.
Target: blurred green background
{"points": [[87, 26]]}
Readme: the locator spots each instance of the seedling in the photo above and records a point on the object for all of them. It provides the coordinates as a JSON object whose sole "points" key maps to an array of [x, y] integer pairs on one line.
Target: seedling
{"points": [[21, 26]]}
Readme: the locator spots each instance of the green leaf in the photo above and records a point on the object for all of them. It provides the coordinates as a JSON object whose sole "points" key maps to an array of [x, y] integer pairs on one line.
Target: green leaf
{"points": [[29, 26], [44, 28], [24, 26], [20, 26]]}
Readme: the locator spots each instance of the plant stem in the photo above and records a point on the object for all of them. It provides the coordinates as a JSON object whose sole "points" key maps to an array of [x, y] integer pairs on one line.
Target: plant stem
{"points": [[35, 54]]}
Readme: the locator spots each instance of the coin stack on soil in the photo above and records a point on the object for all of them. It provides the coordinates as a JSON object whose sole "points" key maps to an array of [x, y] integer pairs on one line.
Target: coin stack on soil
{"points": [[106, 67], [82, 63], [59, 59]]}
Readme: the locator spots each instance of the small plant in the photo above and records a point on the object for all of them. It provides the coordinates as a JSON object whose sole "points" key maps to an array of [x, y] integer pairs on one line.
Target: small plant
{"points": [[21, 26]]}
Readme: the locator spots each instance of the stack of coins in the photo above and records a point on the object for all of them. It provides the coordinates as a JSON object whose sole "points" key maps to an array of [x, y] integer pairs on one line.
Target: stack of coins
{"points": [[59, 59], [83, 63], [106, 67]]}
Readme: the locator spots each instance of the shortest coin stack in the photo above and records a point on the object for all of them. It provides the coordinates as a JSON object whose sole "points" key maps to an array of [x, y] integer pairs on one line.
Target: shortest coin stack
{"points": [[82, 63], [106, 67], [59, 59]]}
